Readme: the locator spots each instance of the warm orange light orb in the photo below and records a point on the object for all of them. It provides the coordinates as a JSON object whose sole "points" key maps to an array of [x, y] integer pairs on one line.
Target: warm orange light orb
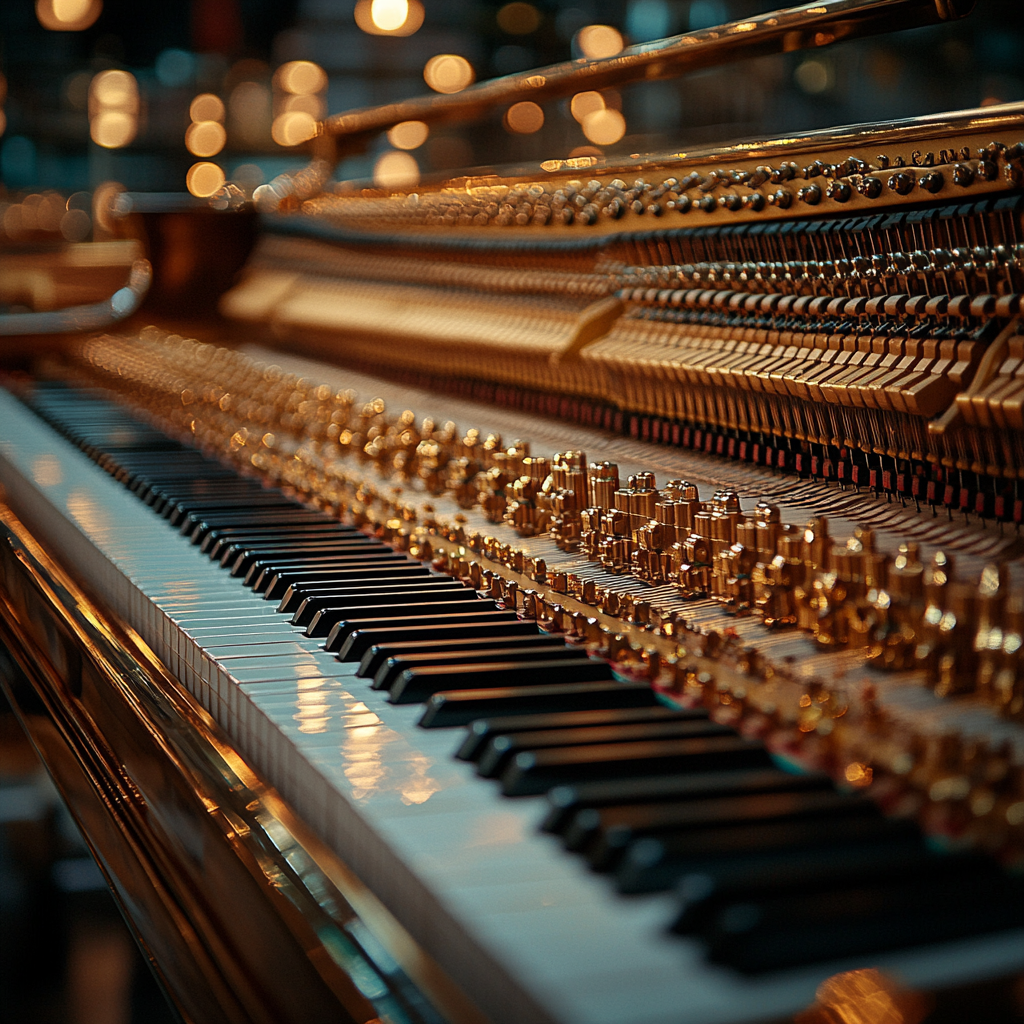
{"points": [[309, 104], [114, 90], [584, 103], [604, 127], [396, 170], [301, 77], [389, 17], [206, 107], [518, 19], [448, 73], [524, 118], [205, 138], [408, 135], [292, 128], [67, 15], [113, 109], [203, 179], [112, 129], [595, 41]]}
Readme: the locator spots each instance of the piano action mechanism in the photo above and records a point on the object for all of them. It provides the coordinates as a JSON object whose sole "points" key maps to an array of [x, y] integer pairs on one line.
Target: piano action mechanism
{"points": [[743, 423]]}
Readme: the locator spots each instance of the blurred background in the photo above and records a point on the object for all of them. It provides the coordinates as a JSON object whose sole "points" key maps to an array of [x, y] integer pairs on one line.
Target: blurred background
{"points": [[176, 95], [162, 96]]}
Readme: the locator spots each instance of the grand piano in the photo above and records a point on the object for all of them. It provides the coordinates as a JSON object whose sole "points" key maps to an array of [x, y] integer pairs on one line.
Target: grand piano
{"points": [[583, 595]]}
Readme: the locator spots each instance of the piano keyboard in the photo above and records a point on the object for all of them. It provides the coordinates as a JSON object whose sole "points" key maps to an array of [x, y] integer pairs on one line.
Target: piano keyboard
{"points": [[322, 653]]}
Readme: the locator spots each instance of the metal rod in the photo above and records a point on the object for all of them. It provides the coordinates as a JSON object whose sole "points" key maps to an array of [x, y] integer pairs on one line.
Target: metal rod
{"points": [[796, 28], [92, 317]]}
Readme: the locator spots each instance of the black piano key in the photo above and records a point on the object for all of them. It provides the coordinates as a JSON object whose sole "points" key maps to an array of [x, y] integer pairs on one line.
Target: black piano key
{"points": [[397, 630], [375, 657], [196, 525], [484, 729], [411, 605], [565, 801], [242, 537], [396, 572], [945, 903], [183, 494], [604, 834], [440, 586], [262, 577], [702, 894], [536, 772], [352, 639], [388, 674], [278, 510], [651, 864], [325, 557], [273, 586], [226, 506], [173, 500], [230, 546], [289, 550], [169, 502], [415, 685], [460, 707], [239, 559], [499, 750]]}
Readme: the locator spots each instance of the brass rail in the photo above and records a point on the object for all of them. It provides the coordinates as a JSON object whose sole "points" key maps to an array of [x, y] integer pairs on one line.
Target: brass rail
{"points": [[796, 28]]}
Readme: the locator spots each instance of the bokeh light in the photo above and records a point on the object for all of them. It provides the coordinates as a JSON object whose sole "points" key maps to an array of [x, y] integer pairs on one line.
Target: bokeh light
{"points": [[113, 109], [203, 179], [174, 68], [205, 138], [75, 225], [518, 19], [293, 128], [584, 103], [389, 17], [206, 107], [397, 170], [112, 129], [813, 76], [524, 118], [114, 90], [297, 112], [604, 127], [408, 134], [49, 211], [67, 15], [309, 104], [595, 41], [448, 73], [300, 77], [104, 198]]}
